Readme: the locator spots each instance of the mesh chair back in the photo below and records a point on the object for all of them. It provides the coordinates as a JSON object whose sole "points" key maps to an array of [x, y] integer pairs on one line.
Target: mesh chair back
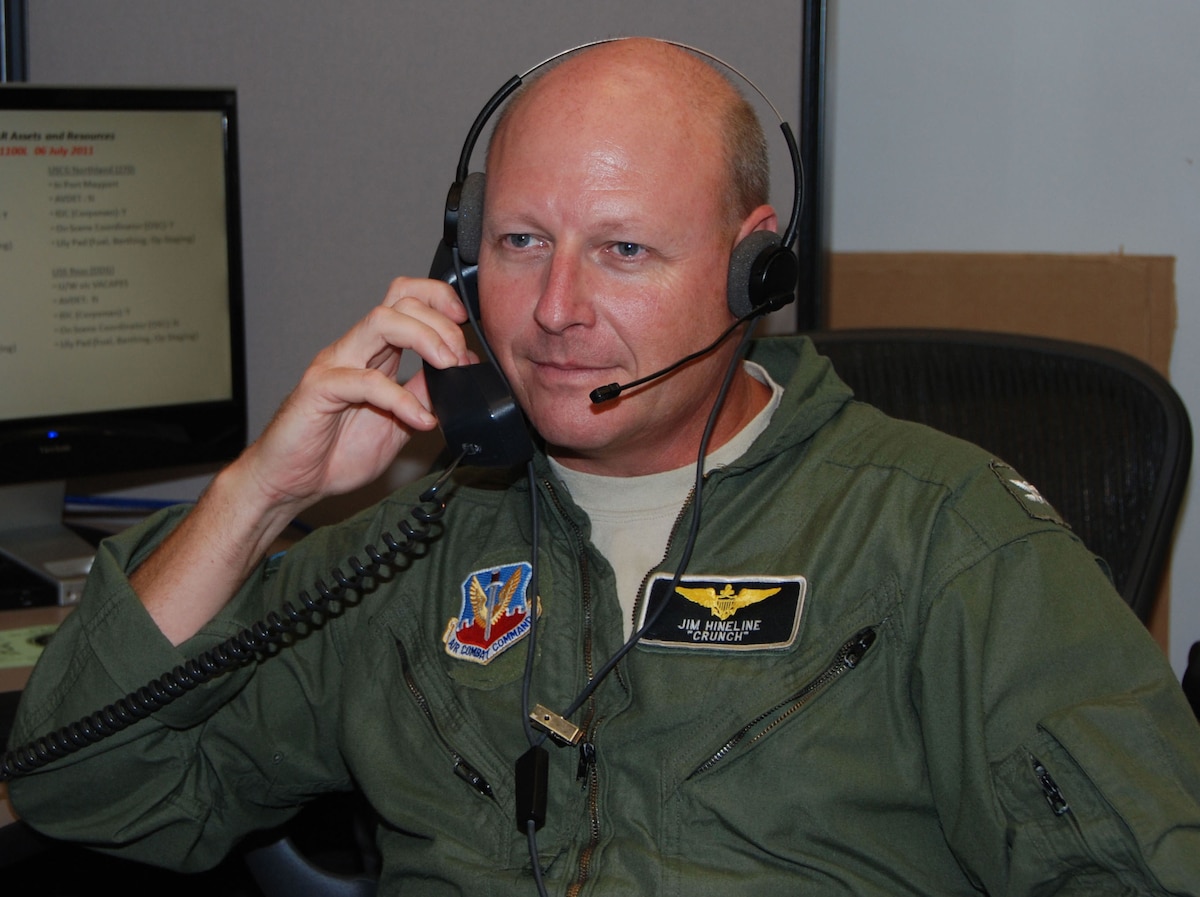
{"points": [[1102, 436]]}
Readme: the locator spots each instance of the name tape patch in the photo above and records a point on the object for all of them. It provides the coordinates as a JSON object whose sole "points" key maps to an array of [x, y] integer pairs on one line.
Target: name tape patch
{"points": [[712, 612]]}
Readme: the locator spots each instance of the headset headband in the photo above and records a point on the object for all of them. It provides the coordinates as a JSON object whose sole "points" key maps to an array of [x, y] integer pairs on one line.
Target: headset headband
{"points": [[498, 98]]}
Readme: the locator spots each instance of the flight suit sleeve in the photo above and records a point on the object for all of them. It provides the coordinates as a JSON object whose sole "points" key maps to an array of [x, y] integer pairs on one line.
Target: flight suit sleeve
{"points": [[180, 787], [1062, 754]]}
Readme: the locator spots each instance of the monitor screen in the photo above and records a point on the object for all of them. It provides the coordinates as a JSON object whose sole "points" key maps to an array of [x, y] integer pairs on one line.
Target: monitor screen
{"points": [[121, 341]]}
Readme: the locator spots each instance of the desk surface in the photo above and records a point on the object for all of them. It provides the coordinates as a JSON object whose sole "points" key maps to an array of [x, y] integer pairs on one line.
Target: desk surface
{"points": [[13, 679]]}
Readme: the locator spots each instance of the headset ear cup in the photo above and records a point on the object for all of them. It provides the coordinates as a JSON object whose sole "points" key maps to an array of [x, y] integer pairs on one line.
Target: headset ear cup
{"points": [[762, 274], [470, 218]]}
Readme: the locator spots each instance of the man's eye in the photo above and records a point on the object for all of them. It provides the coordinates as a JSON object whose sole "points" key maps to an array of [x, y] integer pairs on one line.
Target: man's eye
{"points": [[519, 241], [628, 250]]}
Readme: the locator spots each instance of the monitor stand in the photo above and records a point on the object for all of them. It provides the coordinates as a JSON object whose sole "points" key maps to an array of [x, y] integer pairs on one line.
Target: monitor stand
{"points": [[32, 534]]}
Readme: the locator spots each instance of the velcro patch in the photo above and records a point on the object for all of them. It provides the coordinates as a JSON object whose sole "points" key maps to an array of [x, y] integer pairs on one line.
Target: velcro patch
{"points": [[1025, 493], [706, 612]]}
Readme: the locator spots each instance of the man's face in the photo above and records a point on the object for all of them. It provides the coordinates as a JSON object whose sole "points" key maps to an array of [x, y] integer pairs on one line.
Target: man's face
{"points": [[604, 259]]}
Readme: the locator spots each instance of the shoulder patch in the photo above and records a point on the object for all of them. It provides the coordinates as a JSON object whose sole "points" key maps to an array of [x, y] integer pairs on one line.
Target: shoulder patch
{"points": [[727, 614], [494, 614], [1025, 493]]}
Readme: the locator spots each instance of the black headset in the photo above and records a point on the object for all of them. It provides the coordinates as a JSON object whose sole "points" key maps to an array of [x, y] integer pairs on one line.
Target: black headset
{"points": [[763, 267]]}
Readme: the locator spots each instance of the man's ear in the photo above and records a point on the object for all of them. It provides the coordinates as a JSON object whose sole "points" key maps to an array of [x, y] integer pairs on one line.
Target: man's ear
{"points": [[762, 271], [762, 218]]}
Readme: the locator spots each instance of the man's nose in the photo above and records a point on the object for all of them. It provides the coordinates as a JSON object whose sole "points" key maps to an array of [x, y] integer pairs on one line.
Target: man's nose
{"points": [[565, 301]]}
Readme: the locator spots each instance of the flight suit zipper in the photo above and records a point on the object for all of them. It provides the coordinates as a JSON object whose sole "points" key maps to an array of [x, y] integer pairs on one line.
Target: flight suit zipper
{"points": [[592, 784], [641, 593], [1055, 799], [587, 767], [847, 658], [461, 767], [585, 579]]}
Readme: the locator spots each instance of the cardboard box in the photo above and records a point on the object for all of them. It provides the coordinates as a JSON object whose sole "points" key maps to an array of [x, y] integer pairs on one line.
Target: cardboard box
{"points": [[1126, 302]]}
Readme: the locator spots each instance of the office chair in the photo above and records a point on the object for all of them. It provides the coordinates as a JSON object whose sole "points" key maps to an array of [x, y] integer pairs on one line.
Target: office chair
{"points": [[327, 851], [280, 868], [1103, 436], [1191, 678]]}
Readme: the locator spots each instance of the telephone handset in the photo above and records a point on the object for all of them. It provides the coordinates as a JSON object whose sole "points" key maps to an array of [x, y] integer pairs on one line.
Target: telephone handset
{"points": [[476, 411]]}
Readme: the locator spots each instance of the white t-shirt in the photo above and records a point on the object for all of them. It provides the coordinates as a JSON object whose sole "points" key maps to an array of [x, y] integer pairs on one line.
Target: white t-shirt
{"points": [[632, 517]]}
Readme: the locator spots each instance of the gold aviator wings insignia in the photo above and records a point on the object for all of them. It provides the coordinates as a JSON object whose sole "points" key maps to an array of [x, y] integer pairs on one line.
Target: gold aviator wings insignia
{"points": [[725, 604]]}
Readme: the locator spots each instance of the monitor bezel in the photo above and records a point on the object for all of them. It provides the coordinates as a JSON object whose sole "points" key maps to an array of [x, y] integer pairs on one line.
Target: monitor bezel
{"points": [[93, 444]]}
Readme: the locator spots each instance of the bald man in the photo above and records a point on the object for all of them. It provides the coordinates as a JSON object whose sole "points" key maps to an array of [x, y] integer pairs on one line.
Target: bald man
{"points": [[774, 642]]}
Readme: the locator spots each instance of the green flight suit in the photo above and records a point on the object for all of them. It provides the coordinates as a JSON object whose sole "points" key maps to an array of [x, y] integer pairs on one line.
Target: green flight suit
{"points": [[943, 695]]}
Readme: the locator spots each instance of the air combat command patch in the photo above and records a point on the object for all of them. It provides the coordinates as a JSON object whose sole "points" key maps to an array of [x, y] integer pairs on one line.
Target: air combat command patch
{"points": [[494, 614]]}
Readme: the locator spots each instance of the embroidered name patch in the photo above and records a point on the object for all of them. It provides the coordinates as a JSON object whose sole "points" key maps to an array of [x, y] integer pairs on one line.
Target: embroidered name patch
{"points": [[494, 614], [725, 614]]}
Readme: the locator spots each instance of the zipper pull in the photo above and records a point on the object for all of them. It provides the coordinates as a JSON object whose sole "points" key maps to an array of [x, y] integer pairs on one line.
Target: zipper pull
{"points": [[587, 760], [472, 777], [1054, 797], [852, 652]]}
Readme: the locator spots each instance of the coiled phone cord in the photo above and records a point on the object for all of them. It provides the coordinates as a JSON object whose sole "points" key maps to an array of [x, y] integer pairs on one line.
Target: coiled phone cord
{"points": [[239, 649]]}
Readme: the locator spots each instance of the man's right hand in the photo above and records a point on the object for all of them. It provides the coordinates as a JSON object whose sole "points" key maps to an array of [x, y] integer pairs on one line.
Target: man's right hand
{"points": [[348, 418], [338, 430]]}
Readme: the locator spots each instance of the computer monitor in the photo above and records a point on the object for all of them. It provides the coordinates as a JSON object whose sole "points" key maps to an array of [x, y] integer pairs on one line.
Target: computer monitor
{"points": [[121, 331]]}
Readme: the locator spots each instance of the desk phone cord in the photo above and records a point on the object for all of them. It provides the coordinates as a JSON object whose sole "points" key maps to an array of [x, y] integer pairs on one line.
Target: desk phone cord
{"points": [[240, 649]]}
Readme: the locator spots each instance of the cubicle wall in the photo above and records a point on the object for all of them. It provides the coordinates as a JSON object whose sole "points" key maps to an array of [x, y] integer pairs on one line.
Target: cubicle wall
{"points": [[352, 118]]}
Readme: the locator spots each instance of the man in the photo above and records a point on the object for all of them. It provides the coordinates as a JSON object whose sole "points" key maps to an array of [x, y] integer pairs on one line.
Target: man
{"points": [[882, 672]]}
